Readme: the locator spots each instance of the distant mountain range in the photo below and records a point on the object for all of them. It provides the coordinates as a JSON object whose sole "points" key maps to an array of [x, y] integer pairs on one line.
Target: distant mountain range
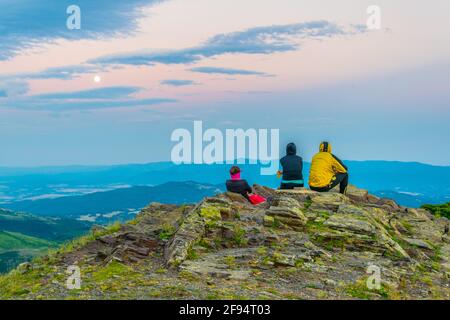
{"points": [[411, 199], [119, 204], [410, 183], [23, 236]]}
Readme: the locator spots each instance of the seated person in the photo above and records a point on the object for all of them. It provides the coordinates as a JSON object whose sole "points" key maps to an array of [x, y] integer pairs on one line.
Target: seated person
{"points": [[236, 185], [292, 166], [327, 171]]}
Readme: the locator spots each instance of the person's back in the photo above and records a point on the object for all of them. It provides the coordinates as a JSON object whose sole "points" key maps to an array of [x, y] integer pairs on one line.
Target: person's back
{"points": [[327, 171], [321, 171], [292, 167], [236, 184]]}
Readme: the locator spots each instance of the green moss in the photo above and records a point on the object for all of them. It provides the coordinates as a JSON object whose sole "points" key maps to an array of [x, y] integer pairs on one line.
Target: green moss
{"points": [[421, 267], [436, 259], [211, 216], [427, 280], [440, 210], [324, 214], [210, 213], [189, 276], [161, 271], [174, 291], [217, 241], [230, 261], [270, 221], [261, 251], [239, 236], [319, 261], [307, 203], [112, 269], [299, 263], [15, 284], [192, 254], [360, 290], [205, 243], [400, 241], [407, 226], [212, 296], [317, 225], [268, 261], [167, 231], [331, 243], [277, 256]]}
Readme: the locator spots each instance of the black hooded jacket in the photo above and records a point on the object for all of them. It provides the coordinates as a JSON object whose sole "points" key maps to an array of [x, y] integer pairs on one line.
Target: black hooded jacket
{"points": [[292, 164], [239, 186]]}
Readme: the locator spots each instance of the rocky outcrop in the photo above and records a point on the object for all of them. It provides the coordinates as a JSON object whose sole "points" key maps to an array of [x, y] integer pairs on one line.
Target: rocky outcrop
{"points": [[299, 244], [132, 242], [286, 212]]}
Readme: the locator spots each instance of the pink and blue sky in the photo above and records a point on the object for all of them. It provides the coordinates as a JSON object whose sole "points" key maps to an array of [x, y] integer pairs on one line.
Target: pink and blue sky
{"points": [[308, 68]]}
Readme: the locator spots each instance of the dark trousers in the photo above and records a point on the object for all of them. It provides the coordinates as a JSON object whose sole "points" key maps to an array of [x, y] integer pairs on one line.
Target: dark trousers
{"points": [[290, 186], [340, 179]]}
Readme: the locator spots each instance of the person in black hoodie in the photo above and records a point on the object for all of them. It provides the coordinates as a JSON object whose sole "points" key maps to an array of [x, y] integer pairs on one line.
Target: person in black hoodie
{"points": [[236, 184], [292, 168]]}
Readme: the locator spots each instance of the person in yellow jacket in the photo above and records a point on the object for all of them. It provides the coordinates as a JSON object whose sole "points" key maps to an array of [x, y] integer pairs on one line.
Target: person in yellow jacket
{"points": [[327, 171]]}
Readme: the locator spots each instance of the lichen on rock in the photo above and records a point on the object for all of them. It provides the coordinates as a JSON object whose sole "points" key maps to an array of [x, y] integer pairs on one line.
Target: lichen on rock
{"points": [[301, 244]]}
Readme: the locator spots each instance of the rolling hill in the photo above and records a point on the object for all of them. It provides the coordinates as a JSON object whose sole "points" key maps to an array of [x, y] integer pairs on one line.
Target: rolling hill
{"points": [[18, 241], [24, 236]]}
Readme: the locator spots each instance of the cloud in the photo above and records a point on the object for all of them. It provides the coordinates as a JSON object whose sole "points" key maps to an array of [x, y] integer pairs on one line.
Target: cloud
{"points": [[60, 73], [147, 57], [178, 83], [259, 40], [63, 73], [26, 23], [100, 93], [101, 98], [228, 71], [13, 88], [269, 39], [64, 105]]}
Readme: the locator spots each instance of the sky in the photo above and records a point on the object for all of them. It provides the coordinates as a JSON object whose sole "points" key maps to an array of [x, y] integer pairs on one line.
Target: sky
{"points": [[114, 90]]}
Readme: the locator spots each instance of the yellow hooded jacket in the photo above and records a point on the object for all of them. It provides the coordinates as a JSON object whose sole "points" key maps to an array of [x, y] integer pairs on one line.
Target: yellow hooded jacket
{"points": [[324, 167]]}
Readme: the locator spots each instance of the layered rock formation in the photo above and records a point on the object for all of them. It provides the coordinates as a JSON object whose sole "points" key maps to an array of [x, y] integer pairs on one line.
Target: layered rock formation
{"points": [[300, 244]]}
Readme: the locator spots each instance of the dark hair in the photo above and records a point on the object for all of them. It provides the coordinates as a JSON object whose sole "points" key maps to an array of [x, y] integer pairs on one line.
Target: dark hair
{"points": [[235, 169]]}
